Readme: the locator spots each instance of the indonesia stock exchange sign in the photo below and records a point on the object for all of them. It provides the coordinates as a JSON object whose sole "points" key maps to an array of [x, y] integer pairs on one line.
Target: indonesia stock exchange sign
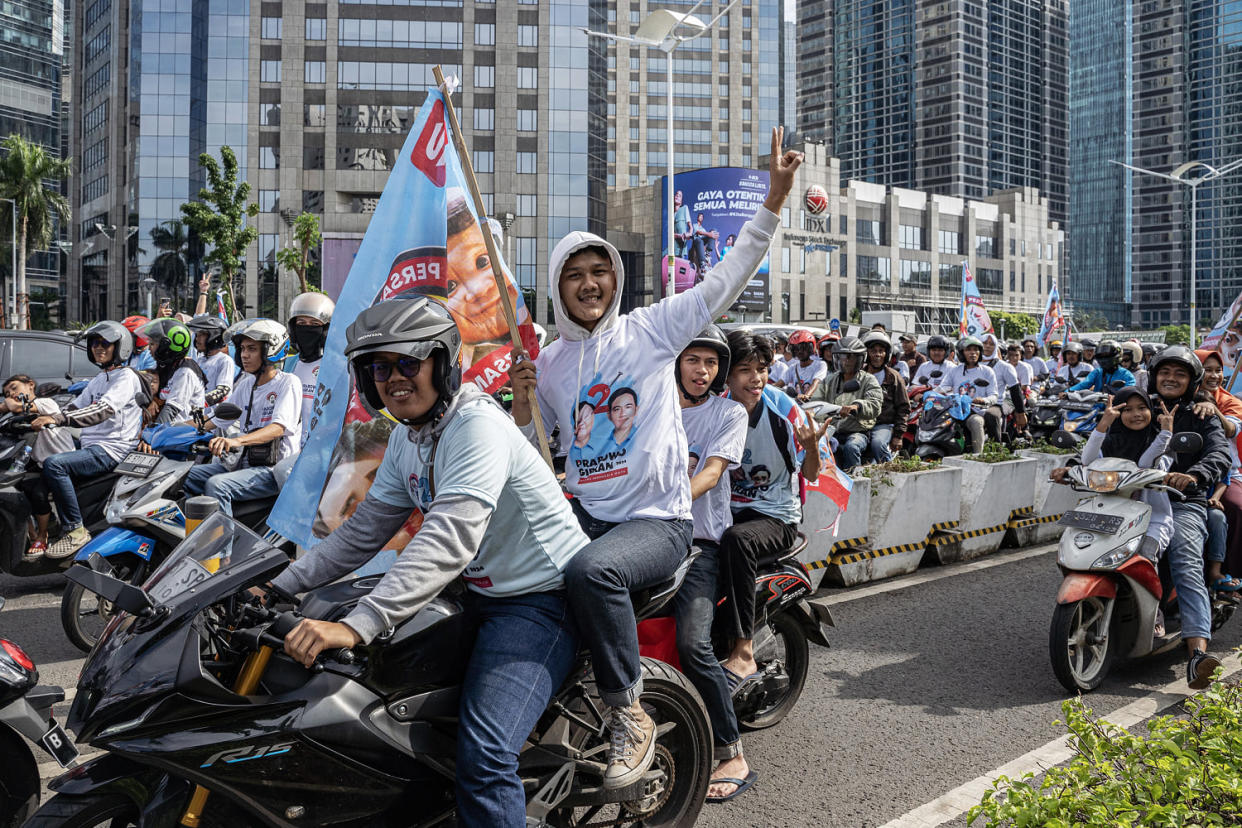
{"points": [[709, 208]]}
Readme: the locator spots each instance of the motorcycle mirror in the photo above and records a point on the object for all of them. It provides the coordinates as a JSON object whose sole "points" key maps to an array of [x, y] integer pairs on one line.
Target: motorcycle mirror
{"points": [[982, 383], [1116, 385], [125, 597], [1186, 442], [1063, 439], [850, 387], [227, 411], [936, 374]]}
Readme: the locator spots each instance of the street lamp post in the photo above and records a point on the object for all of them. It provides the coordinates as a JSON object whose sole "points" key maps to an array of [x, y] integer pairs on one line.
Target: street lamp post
{"points": [[13, 312], [1178, 176], [659, 30]]}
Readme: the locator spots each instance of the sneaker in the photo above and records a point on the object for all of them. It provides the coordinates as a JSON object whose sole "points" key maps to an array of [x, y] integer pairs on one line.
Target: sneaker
{"points": [[69, 543], [633, 745], [1200, 668]]}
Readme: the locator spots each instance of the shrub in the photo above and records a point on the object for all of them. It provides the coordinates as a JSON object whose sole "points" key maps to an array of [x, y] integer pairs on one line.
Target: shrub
{"points": [[994, 452], [879, 473], [1048, 448]]}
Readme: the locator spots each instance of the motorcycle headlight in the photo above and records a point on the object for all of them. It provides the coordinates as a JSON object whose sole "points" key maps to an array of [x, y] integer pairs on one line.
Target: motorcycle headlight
{"points": [[114, 511], [1103, 481], [1115, 557]]}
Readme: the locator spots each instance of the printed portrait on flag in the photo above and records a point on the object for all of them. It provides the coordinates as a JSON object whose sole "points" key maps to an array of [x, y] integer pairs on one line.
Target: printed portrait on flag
{"points": [[1226, 336]]}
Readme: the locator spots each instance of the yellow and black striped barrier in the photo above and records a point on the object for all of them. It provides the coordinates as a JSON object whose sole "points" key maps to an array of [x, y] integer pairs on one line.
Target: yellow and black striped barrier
{"points": [[850, 543], [943, 527], [859, 555]]}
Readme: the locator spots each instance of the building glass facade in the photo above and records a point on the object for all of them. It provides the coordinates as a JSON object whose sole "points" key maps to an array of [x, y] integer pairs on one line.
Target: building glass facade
{"points": [[813, 72]]}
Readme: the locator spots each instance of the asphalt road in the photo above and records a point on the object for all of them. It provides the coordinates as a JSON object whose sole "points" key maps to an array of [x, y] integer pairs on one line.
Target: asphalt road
{"points": [[926, 687]]}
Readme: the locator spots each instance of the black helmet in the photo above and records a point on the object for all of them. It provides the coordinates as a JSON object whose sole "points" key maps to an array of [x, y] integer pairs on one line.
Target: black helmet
{"points": [[415, 326], [211, 325], [1108, 354], [1150, 350], [172, 340], [938, 341], [1183, 356], [1089, 343], [710, 337], [879, 338], [848, 346], [114, 333]]}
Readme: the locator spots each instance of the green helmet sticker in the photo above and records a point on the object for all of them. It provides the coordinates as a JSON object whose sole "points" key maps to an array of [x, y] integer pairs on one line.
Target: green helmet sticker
{"points": [[179, 338]]}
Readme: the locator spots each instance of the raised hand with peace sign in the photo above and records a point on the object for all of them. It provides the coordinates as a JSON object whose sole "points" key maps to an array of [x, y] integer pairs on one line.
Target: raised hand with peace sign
{"points": [[1165, 419]]}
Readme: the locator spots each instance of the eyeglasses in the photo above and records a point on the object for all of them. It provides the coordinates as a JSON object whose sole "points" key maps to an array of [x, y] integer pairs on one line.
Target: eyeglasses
{"points": [[98, 342], [381, 369]]}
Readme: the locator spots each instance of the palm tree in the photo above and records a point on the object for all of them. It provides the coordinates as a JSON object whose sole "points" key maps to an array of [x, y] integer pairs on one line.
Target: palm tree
{"points": [[170, 268], [25, 171]]}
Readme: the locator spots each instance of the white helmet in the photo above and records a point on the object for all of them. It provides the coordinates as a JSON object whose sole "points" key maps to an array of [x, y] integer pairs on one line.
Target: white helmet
{"points": [[268, 332], [315, 305]]}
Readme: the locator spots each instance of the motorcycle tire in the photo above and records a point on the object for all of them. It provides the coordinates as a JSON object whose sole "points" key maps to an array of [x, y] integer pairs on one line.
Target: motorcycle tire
{"points": [[91, 811], [786, 630], [19, 780], [84, 621], [1075, 674]]}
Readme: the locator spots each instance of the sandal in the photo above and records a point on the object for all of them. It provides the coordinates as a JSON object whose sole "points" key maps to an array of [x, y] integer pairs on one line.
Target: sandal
{"points": [[743, 785], [737, 682], [1227, 583], [37, 550]]}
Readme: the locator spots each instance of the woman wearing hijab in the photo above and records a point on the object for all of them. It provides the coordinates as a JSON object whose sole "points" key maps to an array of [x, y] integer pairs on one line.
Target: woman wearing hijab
{"points": [[1228, 410]]}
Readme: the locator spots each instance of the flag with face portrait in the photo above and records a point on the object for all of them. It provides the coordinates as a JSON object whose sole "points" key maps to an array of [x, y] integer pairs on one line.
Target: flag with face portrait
{"points": [[1052, 318], [424, 239], [975, 320]]}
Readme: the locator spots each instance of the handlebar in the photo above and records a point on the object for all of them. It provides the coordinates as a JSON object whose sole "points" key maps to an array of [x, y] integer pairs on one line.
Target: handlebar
{"points": [[272, 634]]}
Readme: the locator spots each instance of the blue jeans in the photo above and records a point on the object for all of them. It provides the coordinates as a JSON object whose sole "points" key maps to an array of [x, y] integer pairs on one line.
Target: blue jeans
{"points": [[524, 650], [1218, 535], [694, 607], [1185, 556], [881, 437], [60, 470], [850, 448], [213, 480], [620, 557]]}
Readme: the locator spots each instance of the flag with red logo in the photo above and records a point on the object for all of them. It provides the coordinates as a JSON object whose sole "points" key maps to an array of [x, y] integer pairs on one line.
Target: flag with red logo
{"points": [[425, 238], [1052, 318]]}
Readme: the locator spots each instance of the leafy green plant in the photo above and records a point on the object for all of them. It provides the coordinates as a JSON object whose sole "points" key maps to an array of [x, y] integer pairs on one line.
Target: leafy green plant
{"points": [[1015, 324], [880, 474], [1044, 446], [297, 258], [219, 219], [994, 452], [1186, 771], [1176, 334]]}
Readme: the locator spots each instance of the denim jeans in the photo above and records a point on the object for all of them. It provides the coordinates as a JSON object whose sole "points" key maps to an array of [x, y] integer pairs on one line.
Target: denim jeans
{"points": [[620, 557], [694, 608], [850, 448], [1185, 556], [881, 437], [524, 650], [60, 470], [1218, 534], [213, 480]]}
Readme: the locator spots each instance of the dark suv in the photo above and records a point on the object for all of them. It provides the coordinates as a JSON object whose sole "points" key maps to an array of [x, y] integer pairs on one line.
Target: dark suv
{"points": [[47, 356]]}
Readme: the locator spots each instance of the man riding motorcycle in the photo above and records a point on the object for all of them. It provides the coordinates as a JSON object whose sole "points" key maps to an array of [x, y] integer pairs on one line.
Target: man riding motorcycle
{"points": [[895, 407], [961, 379], [859, 407], [182, 383], [937, 360], [1108, 371], [309, 318], [213, 355], [1072, 367]]}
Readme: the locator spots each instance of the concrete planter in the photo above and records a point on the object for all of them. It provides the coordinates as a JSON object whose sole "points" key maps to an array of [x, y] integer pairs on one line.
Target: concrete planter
{"points": [[903, 509], [817, 513], [1051, 501], [992, 495]]}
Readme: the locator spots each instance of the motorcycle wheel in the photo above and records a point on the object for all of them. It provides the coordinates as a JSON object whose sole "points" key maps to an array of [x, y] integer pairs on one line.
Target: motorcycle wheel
{"points": [[84, 614], [1081, 650], [92, 811], [683, 753], [786, 650]]}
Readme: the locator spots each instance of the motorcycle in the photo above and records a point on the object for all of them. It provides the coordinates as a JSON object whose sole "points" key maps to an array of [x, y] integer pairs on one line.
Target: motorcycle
{"points": [[942, 425], [1107, 603], [189, 686], [1080, 412], [146, 518], [1045, 411], [26, 711]]}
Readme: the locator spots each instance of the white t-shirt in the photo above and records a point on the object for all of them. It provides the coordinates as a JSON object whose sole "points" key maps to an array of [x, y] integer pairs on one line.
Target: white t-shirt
{"points": [[532, 533], [1037, 366], [800, 377], [50, 440], [762, 481], [183, 392], [923, 375], [1073, 373], [1007, 376], [716, 428], [219, 368], [279, 401], [960, 376], [778, 371], [308, 375], [118, 434]]}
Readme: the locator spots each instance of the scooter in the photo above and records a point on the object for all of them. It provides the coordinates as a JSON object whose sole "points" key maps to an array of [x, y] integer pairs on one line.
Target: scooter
{"points": [[1045, 411], [26, 711], [1080, 412], [190, 686], [1106, 606], [942, 426]]}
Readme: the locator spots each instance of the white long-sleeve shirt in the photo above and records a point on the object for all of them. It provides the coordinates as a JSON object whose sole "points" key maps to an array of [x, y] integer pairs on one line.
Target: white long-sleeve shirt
{"points": [[1160, 527]]}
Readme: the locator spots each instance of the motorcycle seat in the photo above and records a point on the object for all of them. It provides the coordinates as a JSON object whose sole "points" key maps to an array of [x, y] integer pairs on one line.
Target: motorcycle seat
{"points": [[799, 544], [649, 600]]}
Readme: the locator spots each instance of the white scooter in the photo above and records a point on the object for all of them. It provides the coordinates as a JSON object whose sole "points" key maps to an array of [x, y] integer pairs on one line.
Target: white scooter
{"points": [[1106, 607]]}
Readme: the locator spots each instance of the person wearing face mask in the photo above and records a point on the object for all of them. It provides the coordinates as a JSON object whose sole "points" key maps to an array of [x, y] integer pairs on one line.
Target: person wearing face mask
{"points": [[962, 379], [895, 407], [309, 318]]}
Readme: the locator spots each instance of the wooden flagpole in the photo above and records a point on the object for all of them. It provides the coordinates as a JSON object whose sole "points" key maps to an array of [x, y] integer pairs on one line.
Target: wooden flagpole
{"points": [[501, 283]]}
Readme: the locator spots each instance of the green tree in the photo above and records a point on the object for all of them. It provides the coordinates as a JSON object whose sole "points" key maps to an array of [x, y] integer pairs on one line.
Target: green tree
{"points": [[219, 219], [44, 302], [1091, 321], [1014, 324], [177, 248], [25, 172], [1176, 334], [297, 259]]}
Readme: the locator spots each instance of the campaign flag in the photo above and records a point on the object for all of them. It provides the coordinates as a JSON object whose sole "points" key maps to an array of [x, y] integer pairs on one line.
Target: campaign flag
{"points": [[220, 311], [975, 319], [1226, 337], [424, 239], [1052, 318]]}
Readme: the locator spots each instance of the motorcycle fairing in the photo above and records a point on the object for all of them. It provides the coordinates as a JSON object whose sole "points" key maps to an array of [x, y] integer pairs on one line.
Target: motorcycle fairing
{"points": [[1078, 586], [117, 541]]}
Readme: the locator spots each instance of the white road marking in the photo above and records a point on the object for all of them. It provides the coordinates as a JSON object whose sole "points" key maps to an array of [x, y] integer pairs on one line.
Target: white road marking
{"points": [[929, 575], [961, 799]]}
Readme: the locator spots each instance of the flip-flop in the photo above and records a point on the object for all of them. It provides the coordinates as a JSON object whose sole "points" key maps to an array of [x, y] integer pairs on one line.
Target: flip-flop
{"points": [[1221, 584], [737, 682], [743, 785]]}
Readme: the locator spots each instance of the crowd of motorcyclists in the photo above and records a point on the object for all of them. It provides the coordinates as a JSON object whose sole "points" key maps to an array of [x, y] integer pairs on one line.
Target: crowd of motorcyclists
{"points": [[675, 434]]}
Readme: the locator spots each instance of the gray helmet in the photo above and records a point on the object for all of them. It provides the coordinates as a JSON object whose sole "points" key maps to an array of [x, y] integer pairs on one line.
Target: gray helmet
{"points": [[414, 326], [1180, 355], [848, 346], [267, 332], [315, 305], [308, 341], [211, 325], [878, 338], [115, 333], [1072, 348], [966, 342], [710, 337]]}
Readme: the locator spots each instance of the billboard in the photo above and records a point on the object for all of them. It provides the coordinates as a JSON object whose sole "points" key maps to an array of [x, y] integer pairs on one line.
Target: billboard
{"points": [[709, 208]]}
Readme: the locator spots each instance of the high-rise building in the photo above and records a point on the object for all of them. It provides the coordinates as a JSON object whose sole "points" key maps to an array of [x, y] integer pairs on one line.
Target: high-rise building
{"points": [[31, 55], [814, 70], [1156, 86], [316, 99], [954, 97]]}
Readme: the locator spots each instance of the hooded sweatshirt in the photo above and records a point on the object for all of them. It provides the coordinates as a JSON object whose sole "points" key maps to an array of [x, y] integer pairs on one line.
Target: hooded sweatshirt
{"points": [[630, 461]]}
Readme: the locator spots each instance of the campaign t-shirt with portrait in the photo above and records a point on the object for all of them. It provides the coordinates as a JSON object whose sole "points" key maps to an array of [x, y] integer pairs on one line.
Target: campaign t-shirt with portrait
{"points": [[308, 375], [762, 481], [714, 428], [118, 434], [279, 401], [800, 377]]}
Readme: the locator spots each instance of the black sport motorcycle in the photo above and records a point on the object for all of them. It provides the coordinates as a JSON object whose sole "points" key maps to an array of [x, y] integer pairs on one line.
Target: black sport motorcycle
{"points": [[206, 718]]}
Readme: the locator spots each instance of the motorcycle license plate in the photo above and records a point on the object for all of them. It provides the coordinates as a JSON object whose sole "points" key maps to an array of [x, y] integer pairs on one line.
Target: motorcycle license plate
{"points": [[1107, 524], [137, 464], [58, 743], [187, 573]]}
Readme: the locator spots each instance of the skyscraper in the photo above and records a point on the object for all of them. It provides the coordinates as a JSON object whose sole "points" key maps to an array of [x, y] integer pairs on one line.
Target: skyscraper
{"points": [[814, 70]]}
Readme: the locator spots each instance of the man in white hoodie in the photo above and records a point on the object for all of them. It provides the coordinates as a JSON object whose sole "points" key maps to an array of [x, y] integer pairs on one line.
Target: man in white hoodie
{"points": [[632, 496]]}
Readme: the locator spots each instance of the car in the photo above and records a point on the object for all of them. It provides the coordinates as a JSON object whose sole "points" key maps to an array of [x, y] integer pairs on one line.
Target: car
{"points": [[47, 356]]}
